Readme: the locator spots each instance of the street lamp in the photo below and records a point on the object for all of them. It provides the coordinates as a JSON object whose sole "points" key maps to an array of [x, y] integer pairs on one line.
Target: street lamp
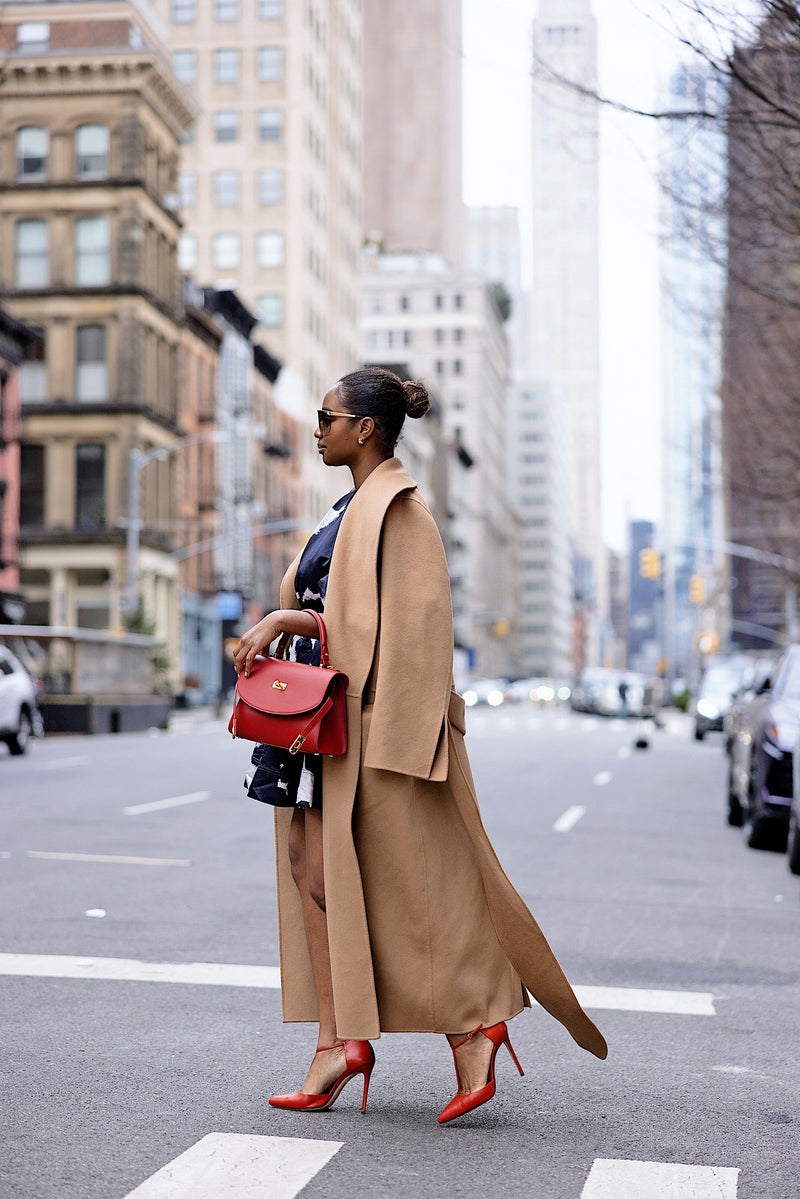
{"points": [[137, 461]]}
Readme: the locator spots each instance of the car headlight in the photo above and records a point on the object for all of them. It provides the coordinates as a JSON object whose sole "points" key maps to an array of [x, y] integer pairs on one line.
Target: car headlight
{"points": [[470, 698], [546, 693], [564, 693], [495, 698], [707, 709]]}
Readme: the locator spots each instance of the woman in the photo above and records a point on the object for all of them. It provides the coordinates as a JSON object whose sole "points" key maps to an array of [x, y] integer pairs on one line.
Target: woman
{"points": [[395, 915]]}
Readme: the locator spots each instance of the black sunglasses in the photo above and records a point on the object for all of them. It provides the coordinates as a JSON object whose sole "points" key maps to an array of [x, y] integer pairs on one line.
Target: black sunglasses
{"points": [[325, 418]]}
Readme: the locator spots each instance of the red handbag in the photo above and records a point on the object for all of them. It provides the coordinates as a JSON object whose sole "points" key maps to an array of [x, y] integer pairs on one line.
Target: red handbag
{"points": [[293, 705]]}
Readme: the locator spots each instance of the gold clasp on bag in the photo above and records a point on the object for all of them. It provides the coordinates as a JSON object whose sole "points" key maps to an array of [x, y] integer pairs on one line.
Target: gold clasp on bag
{"points": [[279, 686], [296, 744]]}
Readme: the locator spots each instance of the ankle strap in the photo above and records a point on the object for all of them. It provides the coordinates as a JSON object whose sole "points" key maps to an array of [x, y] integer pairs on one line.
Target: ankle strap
{"points": [[468, 1037], [335, 1045]]}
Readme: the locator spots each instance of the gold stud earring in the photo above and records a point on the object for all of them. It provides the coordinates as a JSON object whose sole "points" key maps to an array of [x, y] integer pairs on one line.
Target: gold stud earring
{"points": [[361, 441]]}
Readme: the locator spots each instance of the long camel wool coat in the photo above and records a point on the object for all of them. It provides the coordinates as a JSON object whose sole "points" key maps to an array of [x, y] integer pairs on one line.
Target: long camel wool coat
{"points": [[426, 932]]}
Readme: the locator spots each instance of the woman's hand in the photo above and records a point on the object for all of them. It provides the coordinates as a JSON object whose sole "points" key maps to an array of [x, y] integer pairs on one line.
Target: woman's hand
{"points": [[261, 636]]}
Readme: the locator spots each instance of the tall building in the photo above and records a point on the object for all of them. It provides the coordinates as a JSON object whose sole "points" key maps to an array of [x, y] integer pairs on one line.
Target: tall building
{"points": [[16, 341], [564, 306], [643, 602], [412, 126], [538, 460], [92, 118], [693, 286], [443, 327], [761, 346], [270, 186]]}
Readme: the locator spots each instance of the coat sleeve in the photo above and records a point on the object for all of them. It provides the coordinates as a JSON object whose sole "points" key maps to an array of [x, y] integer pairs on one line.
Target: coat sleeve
{"points": [[288, 597], [415, 646]]}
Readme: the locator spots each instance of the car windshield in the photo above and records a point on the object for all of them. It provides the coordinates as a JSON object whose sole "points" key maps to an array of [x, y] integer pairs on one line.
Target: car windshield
{"points": [[789, 682], [720, 682]]}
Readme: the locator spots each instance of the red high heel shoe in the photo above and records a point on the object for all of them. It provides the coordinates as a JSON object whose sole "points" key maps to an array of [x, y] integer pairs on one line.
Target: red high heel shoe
{"points": [[359, 1058], [460, 1104]]}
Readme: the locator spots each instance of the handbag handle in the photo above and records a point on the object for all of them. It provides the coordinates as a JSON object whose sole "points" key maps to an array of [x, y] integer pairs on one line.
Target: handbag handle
{"points": [[323, 637]]}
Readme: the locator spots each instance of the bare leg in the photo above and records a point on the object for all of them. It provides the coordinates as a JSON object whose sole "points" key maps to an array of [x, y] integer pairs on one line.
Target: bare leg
{"points": [[473, 1059], [305, 851]]}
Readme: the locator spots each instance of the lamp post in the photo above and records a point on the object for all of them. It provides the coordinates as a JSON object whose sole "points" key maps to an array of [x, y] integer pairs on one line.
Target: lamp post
{"points": [[137, 461]]}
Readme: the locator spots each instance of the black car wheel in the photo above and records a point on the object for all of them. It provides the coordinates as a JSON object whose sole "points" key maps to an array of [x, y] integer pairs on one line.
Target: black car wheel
{"points": [[18, 742], [735, 811], [698, 734], [793, 846]]}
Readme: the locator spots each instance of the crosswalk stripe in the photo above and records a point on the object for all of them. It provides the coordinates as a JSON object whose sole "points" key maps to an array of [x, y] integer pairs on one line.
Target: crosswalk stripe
{"points": [[617, 1179], [220, 974], [226, 1165], [174, 801]]}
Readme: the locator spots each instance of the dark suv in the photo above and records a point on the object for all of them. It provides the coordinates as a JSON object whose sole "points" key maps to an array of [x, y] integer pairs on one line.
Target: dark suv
{"points": [[761, 757]]}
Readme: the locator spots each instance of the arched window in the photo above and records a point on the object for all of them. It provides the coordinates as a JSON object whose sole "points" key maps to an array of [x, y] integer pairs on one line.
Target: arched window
{"points": [[33, 153], [91, 151]]}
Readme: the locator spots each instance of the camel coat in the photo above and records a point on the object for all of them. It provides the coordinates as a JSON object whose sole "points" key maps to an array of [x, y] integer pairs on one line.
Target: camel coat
{"points": [[426, 932]]}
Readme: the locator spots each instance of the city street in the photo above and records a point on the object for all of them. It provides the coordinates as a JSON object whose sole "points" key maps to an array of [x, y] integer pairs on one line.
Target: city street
{"points": [[122, 1051]]}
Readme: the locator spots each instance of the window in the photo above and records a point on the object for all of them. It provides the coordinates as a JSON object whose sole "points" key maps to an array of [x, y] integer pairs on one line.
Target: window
{"points": [[184, 64], [187, 188], [269, 249], [187, 252], [270, 187], [227, 65], [226, 10], [92, 258], [404, 303], [458, 335], [226, 126], [269, 311], [33, 37], [439, 367], [91, 371], [437, 301], [33, 151], [184, 12], [31, 485], [32, 254], [90, 486], [270, 64], [438, 335], [458, 301], [226, 250], [458, 366], [91, 151], [406, 337], [270, 124], [226, 188], [33, 372], [270, 10]]}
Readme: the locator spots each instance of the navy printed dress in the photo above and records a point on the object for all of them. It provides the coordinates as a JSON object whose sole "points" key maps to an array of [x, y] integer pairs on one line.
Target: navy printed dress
{"points": [[280, 778]]}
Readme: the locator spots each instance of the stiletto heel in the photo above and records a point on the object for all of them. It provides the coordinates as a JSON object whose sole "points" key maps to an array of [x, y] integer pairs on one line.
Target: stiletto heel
{"points": [[460, 1104], [359, 1058]]}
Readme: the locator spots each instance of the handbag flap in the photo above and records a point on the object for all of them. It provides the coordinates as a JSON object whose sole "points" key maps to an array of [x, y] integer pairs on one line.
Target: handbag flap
{"points": [[285, 688]]}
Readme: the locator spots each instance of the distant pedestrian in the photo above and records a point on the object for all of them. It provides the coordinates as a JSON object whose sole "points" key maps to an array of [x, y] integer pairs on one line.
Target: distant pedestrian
{"points": [[623, 698], [411, 925]]}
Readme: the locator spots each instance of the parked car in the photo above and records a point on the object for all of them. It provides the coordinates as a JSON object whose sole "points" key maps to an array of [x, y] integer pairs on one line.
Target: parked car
{"points": [[19, 713], [715, 695], [760, 783], [793, 837], [755, 680]]}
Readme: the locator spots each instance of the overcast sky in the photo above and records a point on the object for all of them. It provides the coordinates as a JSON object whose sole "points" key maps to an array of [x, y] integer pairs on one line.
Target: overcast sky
{"points": [[636, 55]]}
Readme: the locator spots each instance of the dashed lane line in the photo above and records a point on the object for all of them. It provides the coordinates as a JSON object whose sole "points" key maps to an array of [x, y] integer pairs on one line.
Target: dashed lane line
{"points": [[226, 1165], [60, 763], [618, 1179], [174, 801], [112, 858], [569, 819], [602, 778], [622, 999]]}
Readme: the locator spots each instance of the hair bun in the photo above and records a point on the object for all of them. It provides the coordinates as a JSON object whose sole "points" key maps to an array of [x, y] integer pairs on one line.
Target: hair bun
{"points": [[418, 401]]}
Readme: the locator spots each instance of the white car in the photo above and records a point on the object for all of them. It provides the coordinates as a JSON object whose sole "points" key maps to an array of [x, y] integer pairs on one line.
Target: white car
{"points": [[19, 714]]}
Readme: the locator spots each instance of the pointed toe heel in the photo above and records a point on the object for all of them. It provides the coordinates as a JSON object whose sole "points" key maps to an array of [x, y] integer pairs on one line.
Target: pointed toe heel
{"points": [[460, 1104], [359, 1058]]}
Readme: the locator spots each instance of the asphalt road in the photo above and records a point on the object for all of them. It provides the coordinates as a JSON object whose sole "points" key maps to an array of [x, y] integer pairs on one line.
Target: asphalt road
{"points": [[645, 890]]}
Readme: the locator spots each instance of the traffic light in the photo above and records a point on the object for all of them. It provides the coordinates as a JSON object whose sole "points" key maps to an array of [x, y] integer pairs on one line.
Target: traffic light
{"points": [[697, 589], [650, 563]]}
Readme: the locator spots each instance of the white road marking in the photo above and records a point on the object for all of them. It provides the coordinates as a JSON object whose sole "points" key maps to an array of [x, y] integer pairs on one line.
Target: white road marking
{"points": [[624, 752], [533, 722], [636, 999], [610, 1179], [602, 778], [175, 801], [227, 1165], [569, 819], [563, 722], [106, 857], [616, 725], [217, 974], [221, 974], [57, 763]]}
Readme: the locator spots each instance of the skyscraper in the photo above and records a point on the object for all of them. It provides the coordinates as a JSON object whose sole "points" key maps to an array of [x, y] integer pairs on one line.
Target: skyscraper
{"points": [[564, 308], [412, 125]]}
